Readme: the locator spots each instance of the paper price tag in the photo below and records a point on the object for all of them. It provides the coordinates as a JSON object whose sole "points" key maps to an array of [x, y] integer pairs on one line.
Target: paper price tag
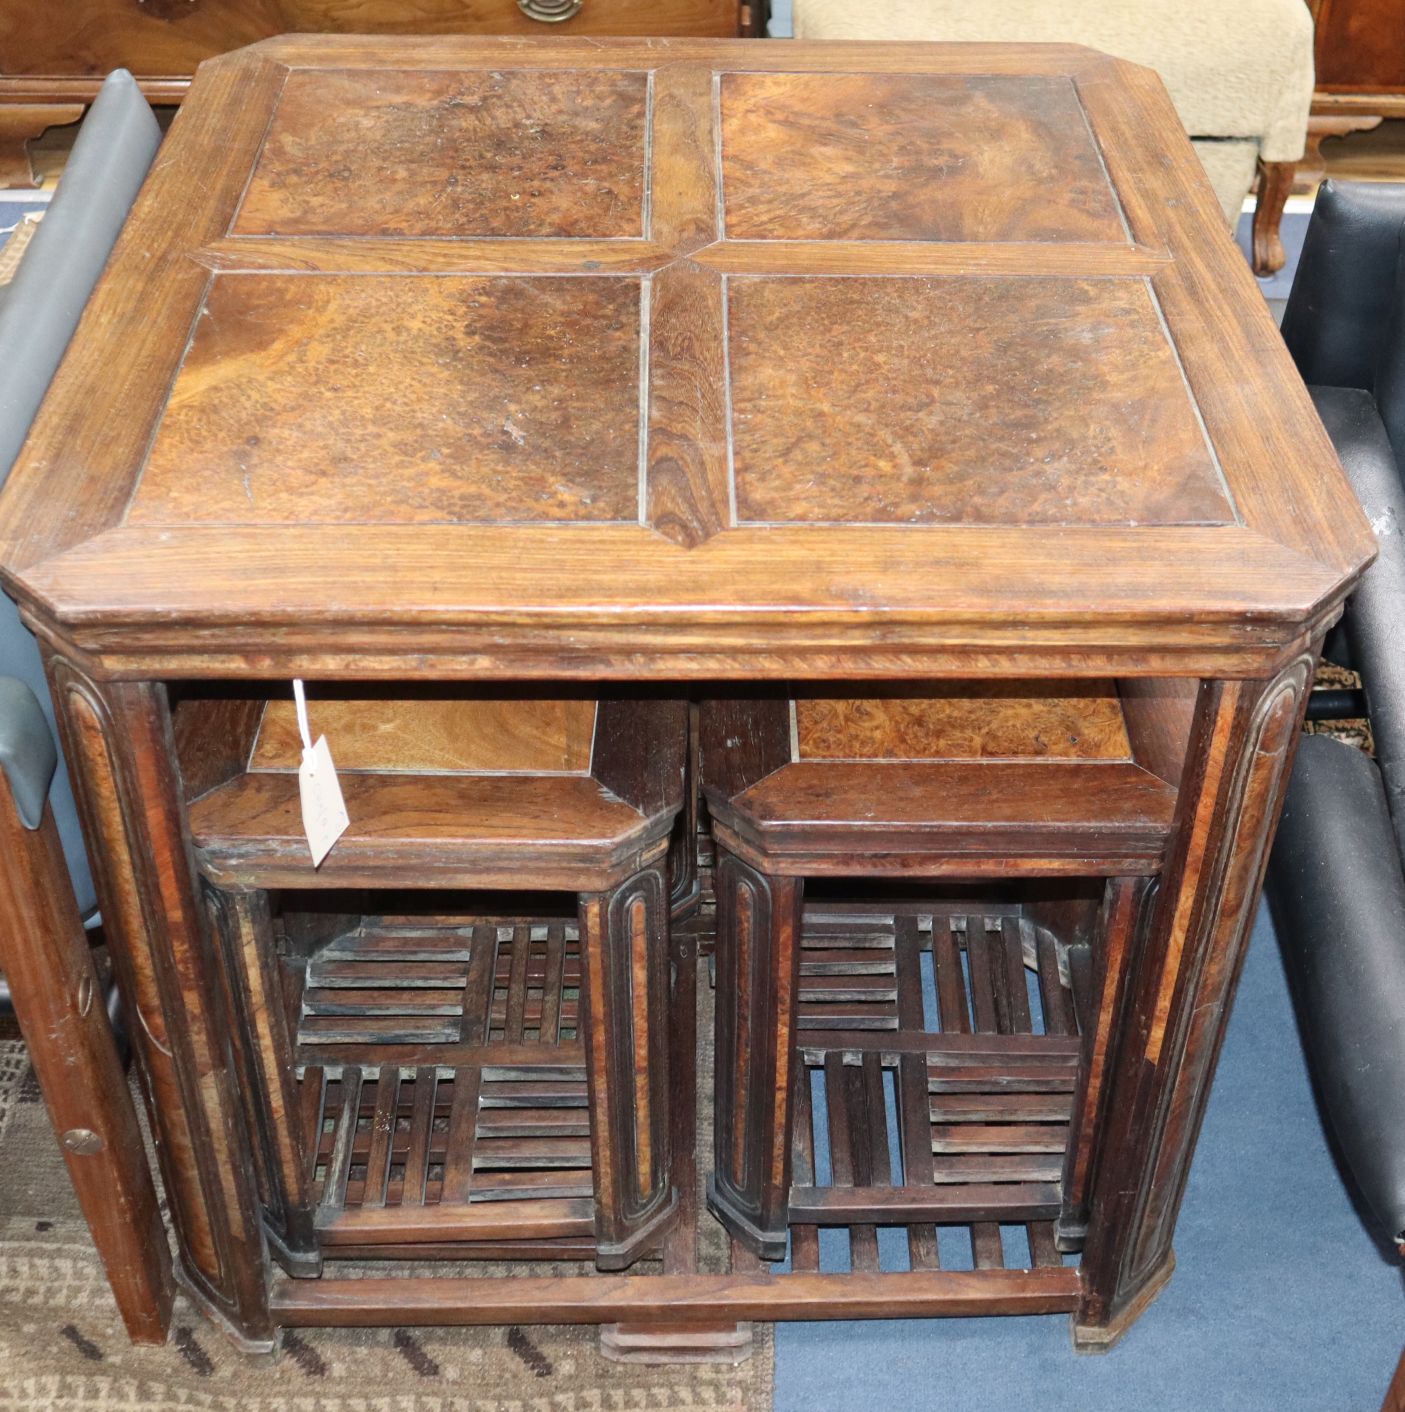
{"points": [[324, 817]]}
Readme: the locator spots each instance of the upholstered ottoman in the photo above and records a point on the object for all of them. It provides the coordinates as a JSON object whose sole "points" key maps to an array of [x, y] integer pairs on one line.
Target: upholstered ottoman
{"points": [[1240, 74]]}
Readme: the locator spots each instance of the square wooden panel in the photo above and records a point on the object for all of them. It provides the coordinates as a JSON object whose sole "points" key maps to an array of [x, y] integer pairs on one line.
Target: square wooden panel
{"points": [[552, 155], [402, 399], [911, 157], [964, 400]]}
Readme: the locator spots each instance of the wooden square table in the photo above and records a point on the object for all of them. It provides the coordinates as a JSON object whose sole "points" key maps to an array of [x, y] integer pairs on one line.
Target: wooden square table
{"points": [[497, 360]]}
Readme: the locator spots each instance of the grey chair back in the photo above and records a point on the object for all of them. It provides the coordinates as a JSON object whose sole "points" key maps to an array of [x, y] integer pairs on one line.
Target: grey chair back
{"points": [[41, 310]]}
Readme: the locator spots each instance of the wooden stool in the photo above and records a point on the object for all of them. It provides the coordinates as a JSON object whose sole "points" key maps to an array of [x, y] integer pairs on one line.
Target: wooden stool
{"points": [[1030, 787], [428, 1084]]}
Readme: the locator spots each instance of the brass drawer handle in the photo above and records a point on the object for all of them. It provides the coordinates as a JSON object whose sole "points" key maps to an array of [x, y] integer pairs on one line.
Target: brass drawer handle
{"points": [[550, 12]]}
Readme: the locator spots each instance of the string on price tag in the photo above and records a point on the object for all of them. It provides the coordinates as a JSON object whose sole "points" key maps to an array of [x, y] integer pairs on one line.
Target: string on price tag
{"points": [[324, 817]]}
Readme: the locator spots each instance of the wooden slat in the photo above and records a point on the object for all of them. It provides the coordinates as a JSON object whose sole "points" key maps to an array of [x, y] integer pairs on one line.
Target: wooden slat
{"points": [[382, 1132], [952, 1205], [958, 1167], [421, 1122], [552, 983], [463, 1130], [479, 991], [1000, 1107], [445, 1221], [1016, 986], [446, 1055], [693, 1298], [999, 1137], [951, 988], [804, 1239], [1058, 1005], [388, 1029], [914, 1121], [517, 985], [339, 1164], [985, 1235], [857, 1097]]}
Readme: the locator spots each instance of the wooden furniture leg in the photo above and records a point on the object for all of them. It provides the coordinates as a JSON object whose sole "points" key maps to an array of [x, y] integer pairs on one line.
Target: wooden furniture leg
{"points": [[1275, 182], [58, 1002], [264, 1053], [1395, 1393], [1119, 925], [1320, 126], [758, 959], [117, 738], [668, 1340], [625, 999], [19, 123], [1184, 980]]}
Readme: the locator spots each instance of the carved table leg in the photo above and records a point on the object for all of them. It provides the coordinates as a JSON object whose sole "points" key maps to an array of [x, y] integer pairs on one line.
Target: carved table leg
{"points": [[624, 1001], [758, 958], [662, 1340], [117, 738], [19, 122], [1119, 925], [1275, 182], [1241, 748], [264, 1051], [58, 1003]]}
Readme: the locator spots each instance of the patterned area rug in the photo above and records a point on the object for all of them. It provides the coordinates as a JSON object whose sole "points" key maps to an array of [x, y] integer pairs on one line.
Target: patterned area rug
{"points": [[62, 1345]]}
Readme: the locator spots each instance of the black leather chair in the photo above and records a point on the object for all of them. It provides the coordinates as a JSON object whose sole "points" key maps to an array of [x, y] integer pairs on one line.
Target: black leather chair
{"points": [[1336, 883]]}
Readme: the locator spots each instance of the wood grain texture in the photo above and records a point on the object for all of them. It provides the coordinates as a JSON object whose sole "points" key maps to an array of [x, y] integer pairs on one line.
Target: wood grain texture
{"points": [[57, 999], [967, 721], [1159, 1081], [464, 827], [815, 816], [556, 155], [974, 401], [625, 998], [168, 39], [439, 733], [280, 411], [1181, 577], [867, 156]]}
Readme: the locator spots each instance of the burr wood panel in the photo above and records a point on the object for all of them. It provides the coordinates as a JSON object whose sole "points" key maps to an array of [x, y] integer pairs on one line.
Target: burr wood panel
{"points": [[970, 401], [864, 156], [967, 721], [556, 155], [376, 399]]}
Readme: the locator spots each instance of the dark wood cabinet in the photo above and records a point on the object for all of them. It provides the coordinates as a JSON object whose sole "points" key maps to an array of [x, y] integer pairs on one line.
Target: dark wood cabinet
{"points": [[664, 369], [1360, 58], [52, 58]]}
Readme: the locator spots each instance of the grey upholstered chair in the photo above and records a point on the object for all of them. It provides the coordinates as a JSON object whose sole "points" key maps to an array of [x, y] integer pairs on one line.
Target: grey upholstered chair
{"points": [[39, 311], [43, 948]]}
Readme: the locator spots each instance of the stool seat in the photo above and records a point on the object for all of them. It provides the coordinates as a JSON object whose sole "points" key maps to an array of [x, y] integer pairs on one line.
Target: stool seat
{"points": [[485, 831], [815, 817]]}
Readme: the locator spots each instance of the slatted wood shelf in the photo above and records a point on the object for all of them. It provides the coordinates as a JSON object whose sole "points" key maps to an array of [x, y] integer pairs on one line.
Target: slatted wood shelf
{"points": [[471, 1153], [940, 1057], [385, 985]]}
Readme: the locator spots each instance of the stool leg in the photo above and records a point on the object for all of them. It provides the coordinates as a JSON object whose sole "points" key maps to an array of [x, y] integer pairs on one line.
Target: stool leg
{"points": [[758, 959], [264, 1052], [624, 1001]]}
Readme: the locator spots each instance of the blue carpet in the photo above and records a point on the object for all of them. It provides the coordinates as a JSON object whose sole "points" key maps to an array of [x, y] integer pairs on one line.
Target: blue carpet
{"points": [[1282, 1302]]}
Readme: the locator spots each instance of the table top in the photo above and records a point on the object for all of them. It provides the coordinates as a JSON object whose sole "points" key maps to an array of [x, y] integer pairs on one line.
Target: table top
{"points": [[674, 358]]}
